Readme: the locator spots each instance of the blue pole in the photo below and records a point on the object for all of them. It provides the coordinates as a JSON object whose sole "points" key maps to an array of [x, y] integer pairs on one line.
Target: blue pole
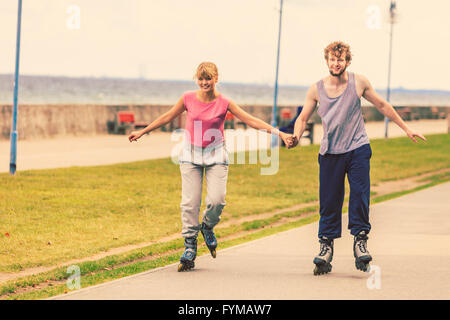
{"points": [[388, 91], [274, 110], [12, 163]]}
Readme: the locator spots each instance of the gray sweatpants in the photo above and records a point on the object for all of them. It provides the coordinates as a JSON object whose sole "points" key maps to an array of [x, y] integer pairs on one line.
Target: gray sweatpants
{"points": [[192, 181]]}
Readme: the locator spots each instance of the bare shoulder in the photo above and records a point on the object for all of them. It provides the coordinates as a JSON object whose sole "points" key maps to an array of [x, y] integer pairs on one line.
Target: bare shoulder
{"points": [[362, 84], [233, 107], [181, 100], [231, 103], [362, 80], [179, 105], [313, 92]]}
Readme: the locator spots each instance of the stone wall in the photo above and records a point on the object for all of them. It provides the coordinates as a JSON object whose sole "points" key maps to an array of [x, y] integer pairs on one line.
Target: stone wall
{"points": [[46, 121]]}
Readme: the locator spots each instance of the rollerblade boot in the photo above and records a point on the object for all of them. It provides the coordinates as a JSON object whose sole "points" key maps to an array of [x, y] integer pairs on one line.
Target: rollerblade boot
{"points": [[362, 255], [323, 259], [189, 255], [210, 239]]}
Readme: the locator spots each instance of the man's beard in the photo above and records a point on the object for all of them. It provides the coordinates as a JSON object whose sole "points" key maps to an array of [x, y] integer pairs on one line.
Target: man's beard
{"points": [[337, 74]]}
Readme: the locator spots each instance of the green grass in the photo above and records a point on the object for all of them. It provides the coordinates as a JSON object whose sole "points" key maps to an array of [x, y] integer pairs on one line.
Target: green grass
{"points": [[53, 216], [161, 254], [115, 267]]}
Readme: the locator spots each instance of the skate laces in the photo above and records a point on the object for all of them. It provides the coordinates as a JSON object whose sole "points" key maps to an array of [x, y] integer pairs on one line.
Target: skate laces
{"points": [[324, 247], [190, 243], [209, 234], [362, 245]]}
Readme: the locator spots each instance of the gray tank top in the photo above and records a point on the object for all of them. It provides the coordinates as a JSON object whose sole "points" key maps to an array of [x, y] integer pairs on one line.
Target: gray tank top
{"points": [[342, 121]]}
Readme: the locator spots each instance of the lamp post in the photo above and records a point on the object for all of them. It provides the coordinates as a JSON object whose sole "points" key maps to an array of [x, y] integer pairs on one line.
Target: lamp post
{"points": [[12, 163], [274, 109], [392, 20]]}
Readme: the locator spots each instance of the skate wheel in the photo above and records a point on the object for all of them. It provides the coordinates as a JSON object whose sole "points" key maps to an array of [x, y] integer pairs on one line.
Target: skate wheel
{"points": [[362, 266], [316, 271], [185, 266], [213, 253], [322, 269]]}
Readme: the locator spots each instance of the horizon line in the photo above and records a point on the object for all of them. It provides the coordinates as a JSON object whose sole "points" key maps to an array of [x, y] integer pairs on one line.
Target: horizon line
{"points": [[399, 88]]}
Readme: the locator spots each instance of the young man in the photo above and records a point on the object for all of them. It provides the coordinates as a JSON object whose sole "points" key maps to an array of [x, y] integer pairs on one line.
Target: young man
{"points": [[344, 149]]}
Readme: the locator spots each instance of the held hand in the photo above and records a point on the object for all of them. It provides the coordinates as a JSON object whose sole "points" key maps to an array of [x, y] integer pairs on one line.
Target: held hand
{"points": [[295, 141], [412, 135], [292, 142], [287, 139], [135, 135]]}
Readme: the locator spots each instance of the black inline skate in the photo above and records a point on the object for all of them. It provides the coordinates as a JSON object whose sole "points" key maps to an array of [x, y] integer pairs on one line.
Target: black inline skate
{"points": [[189, 255], [210, 239], [323, 259], [362, 255]]}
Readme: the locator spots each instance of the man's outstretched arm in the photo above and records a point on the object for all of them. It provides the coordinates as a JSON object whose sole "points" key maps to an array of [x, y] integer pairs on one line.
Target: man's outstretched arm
{"points": [[386, 108]]}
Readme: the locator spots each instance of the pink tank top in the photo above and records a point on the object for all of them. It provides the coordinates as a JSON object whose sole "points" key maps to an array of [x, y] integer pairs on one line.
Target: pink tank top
{"points": [[205, 121]]}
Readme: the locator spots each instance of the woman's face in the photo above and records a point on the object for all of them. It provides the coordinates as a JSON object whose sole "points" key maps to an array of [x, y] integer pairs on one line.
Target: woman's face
{"points": [[206, 83]]}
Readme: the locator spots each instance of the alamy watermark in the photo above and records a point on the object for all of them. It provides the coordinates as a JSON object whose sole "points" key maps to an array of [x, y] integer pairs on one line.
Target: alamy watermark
{"points": [[73, 21], [374, 17], [74, 281], [374, 281], [221, 150]]}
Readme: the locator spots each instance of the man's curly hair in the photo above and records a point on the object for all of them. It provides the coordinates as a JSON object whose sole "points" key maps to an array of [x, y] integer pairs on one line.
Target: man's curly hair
{"points": [[338, 48]]}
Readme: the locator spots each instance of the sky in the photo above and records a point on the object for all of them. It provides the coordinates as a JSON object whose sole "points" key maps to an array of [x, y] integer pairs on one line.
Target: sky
{"points": [[167, 39]]}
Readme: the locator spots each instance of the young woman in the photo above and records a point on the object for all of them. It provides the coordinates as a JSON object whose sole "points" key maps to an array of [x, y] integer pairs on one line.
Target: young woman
{"points": [[204, 156]]}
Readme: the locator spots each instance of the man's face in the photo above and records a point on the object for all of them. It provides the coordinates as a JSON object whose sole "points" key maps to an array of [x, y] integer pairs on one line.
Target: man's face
{"points": [[337, 65]]}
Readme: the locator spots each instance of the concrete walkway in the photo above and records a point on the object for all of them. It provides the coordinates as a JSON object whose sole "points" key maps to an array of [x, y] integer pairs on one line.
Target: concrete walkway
{"points": [[110, 149], [410, 243]]}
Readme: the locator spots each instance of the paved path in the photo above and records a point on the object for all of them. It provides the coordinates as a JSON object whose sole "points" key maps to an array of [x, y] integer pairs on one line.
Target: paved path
{"points": [[410, 243], [110, 149]]}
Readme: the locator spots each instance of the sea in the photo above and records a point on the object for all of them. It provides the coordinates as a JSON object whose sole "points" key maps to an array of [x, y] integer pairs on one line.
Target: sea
{"points": [[119, 91]]}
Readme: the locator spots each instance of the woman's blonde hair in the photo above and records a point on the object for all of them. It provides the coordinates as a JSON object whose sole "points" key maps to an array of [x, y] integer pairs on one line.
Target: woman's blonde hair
{"points": [[206, 70]]}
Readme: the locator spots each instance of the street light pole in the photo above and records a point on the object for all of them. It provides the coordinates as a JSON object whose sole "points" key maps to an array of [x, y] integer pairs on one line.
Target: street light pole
{"points": [[12, 163], [274, 109], [392, 16]]}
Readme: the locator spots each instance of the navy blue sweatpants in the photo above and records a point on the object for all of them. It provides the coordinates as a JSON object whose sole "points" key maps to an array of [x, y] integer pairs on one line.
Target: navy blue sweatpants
{"points": [[333, 168]]}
